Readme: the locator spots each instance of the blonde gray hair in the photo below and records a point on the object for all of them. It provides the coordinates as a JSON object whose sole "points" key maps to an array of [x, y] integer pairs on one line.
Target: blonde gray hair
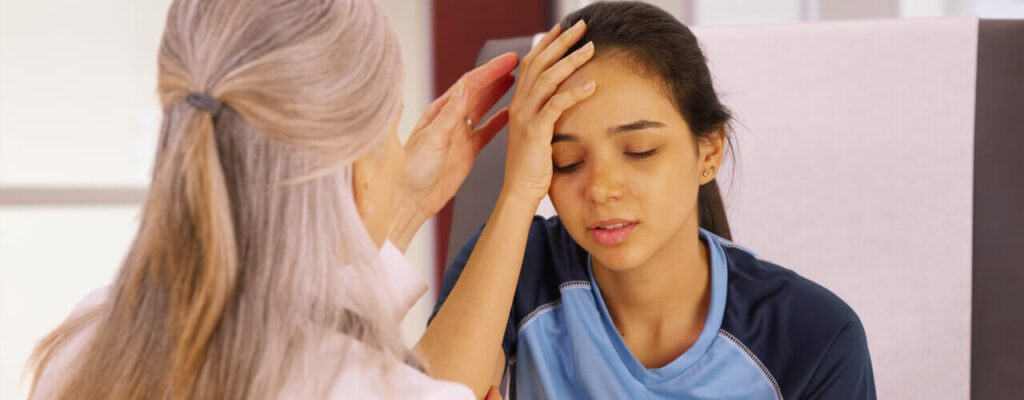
{"points": [[250, 253]]}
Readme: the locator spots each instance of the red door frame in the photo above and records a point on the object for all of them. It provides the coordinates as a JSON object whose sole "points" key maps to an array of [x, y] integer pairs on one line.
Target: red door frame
{"points": [[460, 28]]}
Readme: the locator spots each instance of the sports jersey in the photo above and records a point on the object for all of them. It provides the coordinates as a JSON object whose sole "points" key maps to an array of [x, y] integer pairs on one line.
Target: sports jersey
{"points": [[769, 333]]}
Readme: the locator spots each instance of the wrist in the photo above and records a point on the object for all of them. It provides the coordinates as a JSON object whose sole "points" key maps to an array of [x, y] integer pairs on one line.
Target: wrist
{"points": [[405, 223], [527, 202]]}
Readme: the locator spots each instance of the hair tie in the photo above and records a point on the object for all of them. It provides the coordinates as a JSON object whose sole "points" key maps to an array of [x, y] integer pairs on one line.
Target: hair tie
{"points": [[204, 102]]}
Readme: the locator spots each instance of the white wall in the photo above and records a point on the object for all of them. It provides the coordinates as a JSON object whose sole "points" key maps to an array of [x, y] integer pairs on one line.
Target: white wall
{"points": [[856, 171], [413, 23], [78, 84], [77, 108]]}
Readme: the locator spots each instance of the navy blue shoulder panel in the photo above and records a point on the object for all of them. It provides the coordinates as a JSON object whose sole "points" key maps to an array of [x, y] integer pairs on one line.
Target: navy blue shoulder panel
{"points": [[809, 340], [552, 257]]}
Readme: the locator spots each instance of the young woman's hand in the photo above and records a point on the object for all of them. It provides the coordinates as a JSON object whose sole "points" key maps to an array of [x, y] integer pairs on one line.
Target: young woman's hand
{"points": [[463, 342], [535, 107], [440, 151]]}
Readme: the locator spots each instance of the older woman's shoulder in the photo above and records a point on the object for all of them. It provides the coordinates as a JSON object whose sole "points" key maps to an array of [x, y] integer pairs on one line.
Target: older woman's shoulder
{"points": [[63, 357]]}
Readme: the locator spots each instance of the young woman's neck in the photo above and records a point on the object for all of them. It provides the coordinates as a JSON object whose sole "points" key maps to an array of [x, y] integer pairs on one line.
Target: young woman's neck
{"points": [[669, 293]]}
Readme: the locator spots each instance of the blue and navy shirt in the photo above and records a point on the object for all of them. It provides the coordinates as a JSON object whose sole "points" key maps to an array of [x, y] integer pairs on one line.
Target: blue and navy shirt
{"points": [[769, 333]]}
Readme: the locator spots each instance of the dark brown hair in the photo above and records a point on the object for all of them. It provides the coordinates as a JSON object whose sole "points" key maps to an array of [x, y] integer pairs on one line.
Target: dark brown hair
{"points": [[664, 47]]}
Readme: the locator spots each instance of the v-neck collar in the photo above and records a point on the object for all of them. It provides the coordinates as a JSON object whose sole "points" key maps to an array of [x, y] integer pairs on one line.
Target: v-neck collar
{"points": [[716, 310]]}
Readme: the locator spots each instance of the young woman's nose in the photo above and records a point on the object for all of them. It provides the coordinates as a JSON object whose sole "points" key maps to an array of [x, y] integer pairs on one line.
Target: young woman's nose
{"points": [[605, 184]]}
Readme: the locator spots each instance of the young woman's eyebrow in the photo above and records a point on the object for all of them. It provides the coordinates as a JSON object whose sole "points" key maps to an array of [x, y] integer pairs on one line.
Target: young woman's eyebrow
{"points": [[632, 126], [635, 126], [563, 137]]}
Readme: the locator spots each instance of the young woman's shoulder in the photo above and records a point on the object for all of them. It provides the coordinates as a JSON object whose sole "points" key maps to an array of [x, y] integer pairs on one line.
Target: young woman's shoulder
{"points": [[762, 287], [807, 338]]}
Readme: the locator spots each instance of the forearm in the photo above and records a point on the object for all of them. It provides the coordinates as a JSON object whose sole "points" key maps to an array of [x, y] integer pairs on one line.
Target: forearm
{"points": [[459, 345]]}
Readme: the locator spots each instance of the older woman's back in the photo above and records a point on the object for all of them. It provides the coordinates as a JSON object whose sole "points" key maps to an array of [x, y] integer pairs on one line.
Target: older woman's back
{"points": [[398, 380]]}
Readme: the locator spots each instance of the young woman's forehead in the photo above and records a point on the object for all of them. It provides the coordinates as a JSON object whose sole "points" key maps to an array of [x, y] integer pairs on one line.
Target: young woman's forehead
{"points": [[623, 97]]}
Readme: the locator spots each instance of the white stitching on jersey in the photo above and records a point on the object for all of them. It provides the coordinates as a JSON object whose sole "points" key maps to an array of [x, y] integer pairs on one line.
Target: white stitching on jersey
{"points": [[536, 312], [539, 310], [753, 358], [574, 285]]}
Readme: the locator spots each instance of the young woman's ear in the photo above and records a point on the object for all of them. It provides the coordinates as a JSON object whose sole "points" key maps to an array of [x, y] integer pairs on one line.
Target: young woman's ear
{"points": [[711, 151]]}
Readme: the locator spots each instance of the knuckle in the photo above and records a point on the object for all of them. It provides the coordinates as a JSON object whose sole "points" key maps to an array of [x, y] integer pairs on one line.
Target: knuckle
{"points": [[545, 78], [562, 100], [524, 80], [542, 59], [552, 109], [521, 120], [563, 39], [557, 73], [527, 60], [469, 83]]}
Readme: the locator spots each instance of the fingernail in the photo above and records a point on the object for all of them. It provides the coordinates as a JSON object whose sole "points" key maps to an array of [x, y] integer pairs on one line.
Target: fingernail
{"points": [[579, 24], [589, 47], [589, 86]]}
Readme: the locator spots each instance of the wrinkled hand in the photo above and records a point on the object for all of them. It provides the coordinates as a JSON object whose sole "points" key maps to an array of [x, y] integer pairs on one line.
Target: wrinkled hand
{"points": [[441, 149], [536, 107]]}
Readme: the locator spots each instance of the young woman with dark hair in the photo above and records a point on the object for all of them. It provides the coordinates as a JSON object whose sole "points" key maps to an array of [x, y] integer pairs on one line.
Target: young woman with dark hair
{"points": [[635, 290]]}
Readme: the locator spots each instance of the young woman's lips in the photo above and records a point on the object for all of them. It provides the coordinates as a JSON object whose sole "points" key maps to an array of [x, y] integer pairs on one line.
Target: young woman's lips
{"points": [[615, 235]]}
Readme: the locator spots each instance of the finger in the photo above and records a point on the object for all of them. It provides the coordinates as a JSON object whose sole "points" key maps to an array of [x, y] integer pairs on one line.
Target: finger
{"points": [[431, 112], [483, 135], [453, 113], [485, 75], [542, 44], [478, 80], [490, 96], [549, 37], [491, 71], [563, 101], [556, 50], [549, 81]]}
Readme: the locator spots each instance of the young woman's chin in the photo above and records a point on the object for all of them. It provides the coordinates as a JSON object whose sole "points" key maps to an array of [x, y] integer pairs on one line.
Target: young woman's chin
{"points": [[619, 258]]}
